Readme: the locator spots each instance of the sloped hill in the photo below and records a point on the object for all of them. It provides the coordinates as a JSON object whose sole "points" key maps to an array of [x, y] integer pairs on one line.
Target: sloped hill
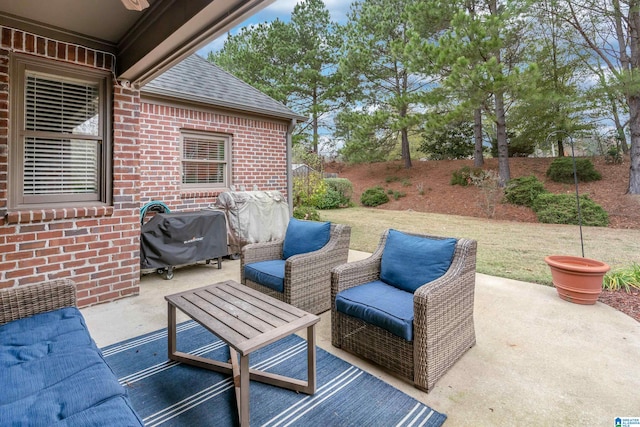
{"points": [[427, 188]]}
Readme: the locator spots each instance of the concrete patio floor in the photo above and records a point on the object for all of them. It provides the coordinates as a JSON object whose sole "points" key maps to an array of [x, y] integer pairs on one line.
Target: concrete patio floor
{"points": [[538, 361]]}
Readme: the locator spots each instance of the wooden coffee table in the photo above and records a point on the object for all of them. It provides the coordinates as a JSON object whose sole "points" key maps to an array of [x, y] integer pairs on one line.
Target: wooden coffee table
{"points": [[246, 320]]}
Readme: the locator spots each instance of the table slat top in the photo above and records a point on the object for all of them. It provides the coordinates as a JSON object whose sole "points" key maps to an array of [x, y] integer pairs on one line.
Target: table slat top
{"points": [[244, 318]]}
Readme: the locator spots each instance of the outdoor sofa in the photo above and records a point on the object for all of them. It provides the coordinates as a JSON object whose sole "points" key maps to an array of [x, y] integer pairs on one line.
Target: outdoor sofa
{"points": [[51, 371]]}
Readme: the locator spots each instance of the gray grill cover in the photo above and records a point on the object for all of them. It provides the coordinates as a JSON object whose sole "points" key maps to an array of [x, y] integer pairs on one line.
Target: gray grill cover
{"points": [[253, 216]]}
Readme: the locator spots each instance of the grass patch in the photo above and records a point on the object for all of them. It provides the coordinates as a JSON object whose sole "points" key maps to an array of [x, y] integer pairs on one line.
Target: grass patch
{"points": [[514, 250]]}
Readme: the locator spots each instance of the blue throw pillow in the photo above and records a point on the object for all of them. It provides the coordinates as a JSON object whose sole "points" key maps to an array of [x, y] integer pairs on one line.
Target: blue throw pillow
{"points": [[409, 262], [305, 236]]}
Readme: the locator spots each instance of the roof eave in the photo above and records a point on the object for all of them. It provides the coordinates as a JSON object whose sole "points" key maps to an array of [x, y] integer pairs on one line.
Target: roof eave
{"points": [[174, 95]]}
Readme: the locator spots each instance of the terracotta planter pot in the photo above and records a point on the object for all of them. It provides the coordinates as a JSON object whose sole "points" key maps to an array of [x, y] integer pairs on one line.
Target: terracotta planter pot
{"points": [[577, 279]]}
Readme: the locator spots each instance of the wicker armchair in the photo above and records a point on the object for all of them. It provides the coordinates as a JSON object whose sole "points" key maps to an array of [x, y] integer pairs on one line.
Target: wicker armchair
{"points": [[25, 301], [307, 277], [443, 328]]}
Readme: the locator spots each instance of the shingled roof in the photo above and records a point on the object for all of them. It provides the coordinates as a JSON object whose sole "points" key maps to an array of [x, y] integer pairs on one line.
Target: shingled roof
{"points": [[198, 80]]}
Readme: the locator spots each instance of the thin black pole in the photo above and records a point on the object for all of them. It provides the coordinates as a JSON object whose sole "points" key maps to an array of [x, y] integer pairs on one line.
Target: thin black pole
{"points": [[575, 179]]}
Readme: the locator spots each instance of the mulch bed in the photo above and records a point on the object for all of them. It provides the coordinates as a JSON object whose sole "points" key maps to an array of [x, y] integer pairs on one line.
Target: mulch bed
{"points": [[628, 303]]}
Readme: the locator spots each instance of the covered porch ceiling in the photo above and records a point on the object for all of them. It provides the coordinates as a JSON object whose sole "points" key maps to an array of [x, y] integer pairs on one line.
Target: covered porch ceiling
{"points": [[145, 43]]}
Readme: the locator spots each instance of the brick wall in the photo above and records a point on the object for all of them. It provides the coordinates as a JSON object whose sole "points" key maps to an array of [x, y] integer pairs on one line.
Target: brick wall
{"points": [[97, 247], [258, 153]]}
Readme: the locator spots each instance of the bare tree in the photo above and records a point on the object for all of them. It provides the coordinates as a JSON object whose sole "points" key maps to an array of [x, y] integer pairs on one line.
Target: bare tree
{"points": [[611, 29]]}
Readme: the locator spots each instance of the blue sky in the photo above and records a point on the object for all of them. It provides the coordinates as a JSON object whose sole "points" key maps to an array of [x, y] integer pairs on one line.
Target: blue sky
{"points": [[280, 9]]}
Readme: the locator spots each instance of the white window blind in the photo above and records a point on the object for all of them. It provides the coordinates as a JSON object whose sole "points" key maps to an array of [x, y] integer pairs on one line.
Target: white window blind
{"points": [[61, 106], [57, 159], [204, 160], [60, 166]]}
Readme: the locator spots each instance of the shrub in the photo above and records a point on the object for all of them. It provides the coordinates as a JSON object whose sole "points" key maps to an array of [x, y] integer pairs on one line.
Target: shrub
{"points": [[490, 191], [308, 190], [374, 197], [524, 190], [613, 156], [341, 185], [306, 212], [561, 209], [398, 194], [625, 278], [331, 200], [338, 194], [464, 175], [561, 170]]}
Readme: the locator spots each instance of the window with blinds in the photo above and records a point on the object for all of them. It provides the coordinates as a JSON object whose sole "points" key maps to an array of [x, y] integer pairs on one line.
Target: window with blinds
{"points": [[61, 145], [205, 160], [54, 163]]}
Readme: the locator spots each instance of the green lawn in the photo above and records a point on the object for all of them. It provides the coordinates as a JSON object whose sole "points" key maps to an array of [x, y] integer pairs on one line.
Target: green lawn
{"points": [[514, 250]]}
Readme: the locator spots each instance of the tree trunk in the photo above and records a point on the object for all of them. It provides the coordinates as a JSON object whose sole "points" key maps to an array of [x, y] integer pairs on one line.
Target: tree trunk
{"points": [[560, 146], [406, 155], [634, 152], [633, 98], [620, 136], [403, 86], [478, 158], [315, 120], [504, 174]]}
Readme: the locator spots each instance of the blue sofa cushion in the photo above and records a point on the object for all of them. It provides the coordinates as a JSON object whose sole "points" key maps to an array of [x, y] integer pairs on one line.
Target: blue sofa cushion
{"points": [[53, 373], [305, 236], [267, 273], [409, 262], [379, 304]]}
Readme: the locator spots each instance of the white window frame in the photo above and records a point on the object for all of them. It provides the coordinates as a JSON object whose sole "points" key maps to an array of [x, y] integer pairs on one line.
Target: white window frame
{"points": [[225, 162]]}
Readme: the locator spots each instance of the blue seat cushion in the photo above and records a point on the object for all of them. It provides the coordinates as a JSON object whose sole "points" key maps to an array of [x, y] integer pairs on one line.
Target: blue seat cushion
{"points": [[379, 304], [409, 262], [305, 236], [267, 273], [52, 373]]}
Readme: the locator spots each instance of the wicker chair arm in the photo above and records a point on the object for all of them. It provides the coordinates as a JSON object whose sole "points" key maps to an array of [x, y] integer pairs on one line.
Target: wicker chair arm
{"points": [[356, 273], [443, 317], [264, 251], [25, 301], [460, 275]]}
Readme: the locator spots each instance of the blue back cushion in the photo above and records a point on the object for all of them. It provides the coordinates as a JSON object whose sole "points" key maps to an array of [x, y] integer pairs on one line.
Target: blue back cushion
{"points": [[409, 262], [305, 236]]}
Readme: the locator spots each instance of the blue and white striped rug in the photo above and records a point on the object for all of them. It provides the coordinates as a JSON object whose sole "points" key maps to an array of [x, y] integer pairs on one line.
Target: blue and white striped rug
{"points": [[170, 393]]}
